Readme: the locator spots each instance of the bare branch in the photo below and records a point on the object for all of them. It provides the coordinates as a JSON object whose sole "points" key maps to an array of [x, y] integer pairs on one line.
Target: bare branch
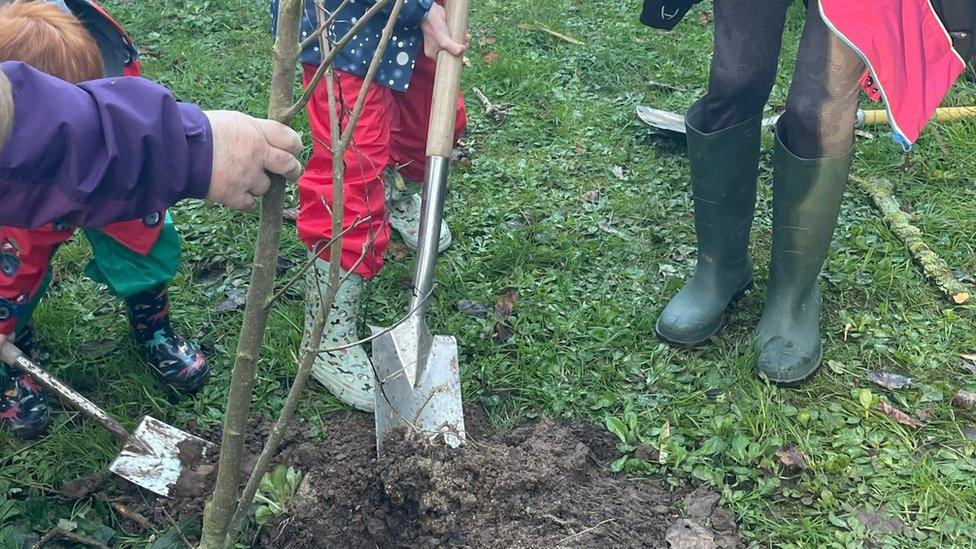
{"points": [[329, 57], [312, 259], [323, 24]]}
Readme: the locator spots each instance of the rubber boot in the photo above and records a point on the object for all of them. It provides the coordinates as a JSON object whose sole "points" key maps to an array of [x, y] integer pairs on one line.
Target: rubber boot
{"points": [[724, 169], [177, 362], [347, 373], [807, 194], [23, 406], [403, 204]]}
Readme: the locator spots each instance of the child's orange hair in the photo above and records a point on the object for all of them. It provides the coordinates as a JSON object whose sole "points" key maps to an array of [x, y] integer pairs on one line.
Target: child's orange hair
{"points": [[50, 40]]}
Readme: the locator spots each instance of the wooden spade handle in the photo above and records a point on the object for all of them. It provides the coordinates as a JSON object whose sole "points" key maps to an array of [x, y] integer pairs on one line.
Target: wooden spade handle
{"points": [[443, 110]]}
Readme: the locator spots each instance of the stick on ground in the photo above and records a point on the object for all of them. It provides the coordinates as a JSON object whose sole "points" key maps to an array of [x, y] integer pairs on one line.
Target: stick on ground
{"points": [[933, 267]]}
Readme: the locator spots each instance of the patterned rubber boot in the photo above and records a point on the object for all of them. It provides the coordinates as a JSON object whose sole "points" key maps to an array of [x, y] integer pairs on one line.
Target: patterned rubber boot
{"points": [[176, 361], [403, 204], [23, 406], [346, 373]]}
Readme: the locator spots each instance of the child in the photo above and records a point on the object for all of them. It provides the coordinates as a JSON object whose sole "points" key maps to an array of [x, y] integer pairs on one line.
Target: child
{"points": [[388, 146], [135, 259]]}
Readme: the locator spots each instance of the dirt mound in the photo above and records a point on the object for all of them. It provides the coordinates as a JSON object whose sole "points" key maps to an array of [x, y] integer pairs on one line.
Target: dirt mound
{"points": [[542, 484]]}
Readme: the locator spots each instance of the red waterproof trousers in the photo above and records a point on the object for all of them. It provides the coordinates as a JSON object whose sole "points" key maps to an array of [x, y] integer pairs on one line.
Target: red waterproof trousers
{"points": [[391, 132]]}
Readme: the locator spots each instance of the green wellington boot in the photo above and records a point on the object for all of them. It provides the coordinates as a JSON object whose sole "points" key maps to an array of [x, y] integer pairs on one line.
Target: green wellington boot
{"points": [[806, 201], [346, 373], [724, 168], [403, 205]]}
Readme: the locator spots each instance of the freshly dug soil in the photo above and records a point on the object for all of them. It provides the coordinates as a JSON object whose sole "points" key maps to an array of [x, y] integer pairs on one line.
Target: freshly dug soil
{"points": [[543, 484]]}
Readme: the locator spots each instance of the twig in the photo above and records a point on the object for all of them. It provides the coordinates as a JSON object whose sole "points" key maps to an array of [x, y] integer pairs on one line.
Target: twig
{"points": [[323, 25], [586, 531], [132, 516], [70, 536], [382, 332], [311, 261], [933, 267], [495, 112], [540, 28], [327, 58], [179, 530]]}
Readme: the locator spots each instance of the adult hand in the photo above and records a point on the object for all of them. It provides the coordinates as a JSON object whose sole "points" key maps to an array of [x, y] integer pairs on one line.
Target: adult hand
{"points": [[437, 35], [245, 150]]}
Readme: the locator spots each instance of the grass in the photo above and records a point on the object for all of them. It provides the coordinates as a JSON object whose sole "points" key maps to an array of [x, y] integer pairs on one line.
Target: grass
{"points": [[591, 277]]}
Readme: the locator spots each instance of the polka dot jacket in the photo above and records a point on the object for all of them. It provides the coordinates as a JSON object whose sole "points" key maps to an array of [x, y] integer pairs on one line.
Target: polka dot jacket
{"points": [[400, 56]]}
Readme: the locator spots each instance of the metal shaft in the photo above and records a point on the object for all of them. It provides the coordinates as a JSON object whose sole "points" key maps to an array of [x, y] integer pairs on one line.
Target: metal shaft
{"points": [[431, 213], [15, 357]]}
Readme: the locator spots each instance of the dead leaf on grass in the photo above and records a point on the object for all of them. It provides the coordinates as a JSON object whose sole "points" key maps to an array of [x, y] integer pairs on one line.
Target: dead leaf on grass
{"points": [[618, 172], [490, 57], [899, 416], [486, 40], [592, 196], [961, 297], [791, 457], [964, 400], [503, 310], [877, 522], [235, 299], [705, 18], [474, 309], [889, 380]]}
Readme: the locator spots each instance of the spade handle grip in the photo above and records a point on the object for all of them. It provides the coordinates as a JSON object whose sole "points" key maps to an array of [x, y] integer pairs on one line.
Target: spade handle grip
{"points": [[443, 110]]}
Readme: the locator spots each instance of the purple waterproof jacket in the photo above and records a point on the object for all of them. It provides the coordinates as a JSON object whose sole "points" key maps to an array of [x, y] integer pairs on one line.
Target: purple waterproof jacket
{"points": [[104, 151]]}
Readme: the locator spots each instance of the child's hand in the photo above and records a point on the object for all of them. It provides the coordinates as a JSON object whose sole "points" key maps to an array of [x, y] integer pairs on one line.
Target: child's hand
{"points": [[437, 35]]}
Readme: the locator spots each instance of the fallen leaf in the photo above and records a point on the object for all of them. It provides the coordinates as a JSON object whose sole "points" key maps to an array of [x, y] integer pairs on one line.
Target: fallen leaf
{"points": [[397, 250], [235, 299], [688, 534], [961, 297], [474, 309], [899, 416], [618, 172], [97, 348], [504, 309], [964, 400], [486, 40], [82, 487], [490, 57], [878, 522], [705, 18], [791, 457], [889, 380], [592, 196], [646, 452]]}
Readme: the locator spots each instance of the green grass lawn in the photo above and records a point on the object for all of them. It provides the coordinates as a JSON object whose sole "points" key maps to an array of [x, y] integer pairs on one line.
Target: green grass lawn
{"points": [[592, 273]]}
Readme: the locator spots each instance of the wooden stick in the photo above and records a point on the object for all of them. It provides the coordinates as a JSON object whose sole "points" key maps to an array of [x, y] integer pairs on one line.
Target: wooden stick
{"points": [[933, 267]]}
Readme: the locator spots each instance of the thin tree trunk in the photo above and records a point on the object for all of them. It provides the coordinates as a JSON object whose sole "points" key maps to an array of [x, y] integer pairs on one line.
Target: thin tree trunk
{"points": [[341, 144], [223, 502]]}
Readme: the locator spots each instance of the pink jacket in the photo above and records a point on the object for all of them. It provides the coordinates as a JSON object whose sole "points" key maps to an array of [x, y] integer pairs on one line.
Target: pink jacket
{"points": [[908, 53]]}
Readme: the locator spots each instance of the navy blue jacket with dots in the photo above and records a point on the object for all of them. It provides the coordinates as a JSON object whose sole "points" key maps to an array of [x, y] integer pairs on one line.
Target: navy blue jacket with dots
{"points": [[400, 56]]}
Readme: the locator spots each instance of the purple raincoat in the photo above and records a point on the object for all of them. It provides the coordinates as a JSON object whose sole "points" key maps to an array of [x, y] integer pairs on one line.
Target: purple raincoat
{"points": [[104, 151]]}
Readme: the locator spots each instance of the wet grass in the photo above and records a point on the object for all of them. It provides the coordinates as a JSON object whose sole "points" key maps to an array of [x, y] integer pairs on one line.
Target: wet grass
{"points": [[592, 271]]}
